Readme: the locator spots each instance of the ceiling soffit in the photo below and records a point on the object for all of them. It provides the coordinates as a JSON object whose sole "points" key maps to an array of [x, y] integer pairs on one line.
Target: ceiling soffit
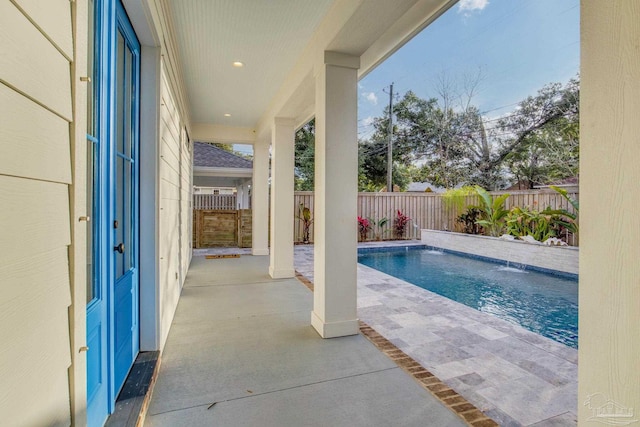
{"points": [[268, 36]]}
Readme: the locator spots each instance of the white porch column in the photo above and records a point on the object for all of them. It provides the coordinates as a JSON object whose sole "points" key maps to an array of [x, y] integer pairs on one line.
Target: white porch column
{"points": [[260, 199], [609, 297], [336, 192], [282, 162]]}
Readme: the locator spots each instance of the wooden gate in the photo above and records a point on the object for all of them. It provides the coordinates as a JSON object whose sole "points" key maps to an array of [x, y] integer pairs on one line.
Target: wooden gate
{"points": [[222, 228], [245, 225]]}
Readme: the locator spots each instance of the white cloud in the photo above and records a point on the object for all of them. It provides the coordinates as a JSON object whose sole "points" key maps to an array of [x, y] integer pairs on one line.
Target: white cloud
{"points": [[371, 97], [367, 121], [471, 5]]}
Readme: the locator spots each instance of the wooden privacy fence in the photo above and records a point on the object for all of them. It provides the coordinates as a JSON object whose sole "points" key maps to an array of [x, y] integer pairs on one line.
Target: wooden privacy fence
{"points": [[214, 201], [428, 210]]}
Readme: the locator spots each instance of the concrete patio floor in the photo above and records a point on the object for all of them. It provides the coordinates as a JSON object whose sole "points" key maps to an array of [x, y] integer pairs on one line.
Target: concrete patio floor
{"points": [[241, 352]]}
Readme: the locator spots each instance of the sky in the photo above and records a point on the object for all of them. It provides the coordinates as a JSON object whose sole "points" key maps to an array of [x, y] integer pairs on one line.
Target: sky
{"points": [[517, 46]]}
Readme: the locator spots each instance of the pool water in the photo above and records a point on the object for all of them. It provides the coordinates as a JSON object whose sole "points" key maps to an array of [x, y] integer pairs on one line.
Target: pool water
{"points": [[542, 303]]}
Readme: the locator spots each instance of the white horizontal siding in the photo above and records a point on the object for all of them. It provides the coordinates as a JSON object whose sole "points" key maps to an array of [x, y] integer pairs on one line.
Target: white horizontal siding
{"points": [[37, 148], [170, 237], [53, 17], [37, 352], [31, 64], [35, 173], [35, 296], [35, 218]]}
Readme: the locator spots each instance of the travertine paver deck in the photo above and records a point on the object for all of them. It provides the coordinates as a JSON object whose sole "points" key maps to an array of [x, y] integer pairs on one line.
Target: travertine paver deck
{"points": [[515, 376]]}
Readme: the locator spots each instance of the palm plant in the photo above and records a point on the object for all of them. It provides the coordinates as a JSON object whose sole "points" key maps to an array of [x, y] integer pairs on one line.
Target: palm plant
{"points": [[378, 226], [492, 211], [572, 223]]}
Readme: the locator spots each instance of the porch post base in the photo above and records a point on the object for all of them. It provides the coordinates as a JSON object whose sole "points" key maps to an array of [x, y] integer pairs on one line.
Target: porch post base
{"points": [[343, 328], [285, 273], [260, 251]]}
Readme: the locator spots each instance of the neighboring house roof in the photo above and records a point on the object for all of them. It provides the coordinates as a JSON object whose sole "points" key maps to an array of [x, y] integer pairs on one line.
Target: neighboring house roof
{"points": [[425, 187], [571, 182], [565, 182], [519, 185], [208, 155]]}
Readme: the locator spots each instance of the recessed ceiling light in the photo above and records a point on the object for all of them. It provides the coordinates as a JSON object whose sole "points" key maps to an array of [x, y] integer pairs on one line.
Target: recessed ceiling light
{"points": [[238, 64], [227, 114]]}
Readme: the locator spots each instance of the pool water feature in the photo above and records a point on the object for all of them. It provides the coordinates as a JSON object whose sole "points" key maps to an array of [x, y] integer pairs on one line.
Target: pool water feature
{"points": [[543, 303]]}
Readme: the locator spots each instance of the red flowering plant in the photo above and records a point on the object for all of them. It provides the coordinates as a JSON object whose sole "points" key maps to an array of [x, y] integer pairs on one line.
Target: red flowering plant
{"points": [[400, 224], [364, 227]]}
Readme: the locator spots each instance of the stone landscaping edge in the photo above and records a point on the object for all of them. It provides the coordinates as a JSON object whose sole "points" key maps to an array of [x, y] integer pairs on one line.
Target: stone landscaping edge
{"points": [[564, 259]]}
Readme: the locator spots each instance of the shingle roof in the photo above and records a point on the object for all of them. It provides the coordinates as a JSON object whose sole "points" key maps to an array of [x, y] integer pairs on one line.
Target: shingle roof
{"points": [[424, 186], [207, 155]]}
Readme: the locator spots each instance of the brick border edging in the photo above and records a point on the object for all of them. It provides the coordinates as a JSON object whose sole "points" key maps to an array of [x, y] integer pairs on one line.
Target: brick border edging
{"points": [[441, 391], [302, 279]]}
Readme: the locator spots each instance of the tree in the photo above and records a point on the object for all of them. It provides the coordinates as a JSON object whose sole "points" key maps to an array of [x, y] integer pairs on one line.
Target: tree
{"points": [[372, 161], [540, 141], [225, 147], [305, 157], [426, 131], [229, 148], [454, 144], [447, 134]]}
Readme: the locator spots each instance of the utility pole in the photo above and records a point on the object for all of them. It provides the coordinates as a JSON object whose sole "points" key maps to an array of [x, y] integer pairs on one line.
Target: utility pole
{"points": [[389, 144]]}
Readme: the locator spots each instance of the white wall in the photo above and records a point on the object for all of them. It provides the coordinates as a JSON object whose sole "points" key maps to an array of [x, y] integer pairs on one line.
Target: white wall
{"points": [[175, 193], [609, 338], [36, 136], [168, 177]]}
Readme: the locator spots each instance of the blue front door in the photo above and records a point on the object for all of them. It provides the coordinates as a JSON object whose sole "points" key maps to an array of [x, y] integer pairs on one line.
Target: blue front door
{"points": [[112, 202], [125, 206]]}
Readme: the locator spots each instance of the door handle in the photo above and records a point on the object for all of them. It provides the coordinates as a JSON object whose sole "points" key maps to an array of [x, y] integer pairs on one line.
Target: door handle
{"points": [[119, 248]]}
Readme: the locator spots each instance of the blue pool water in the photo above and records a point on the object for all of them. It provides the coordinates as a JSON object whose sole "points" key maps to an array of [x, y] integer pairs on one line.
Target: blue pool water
{"points": [[543, 303]]}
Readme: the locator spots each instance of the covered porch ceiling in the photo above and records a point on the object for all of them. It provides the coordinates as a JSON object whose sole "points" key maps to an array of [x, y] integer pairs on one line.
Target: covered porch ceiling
{"points": [[279, 42]]}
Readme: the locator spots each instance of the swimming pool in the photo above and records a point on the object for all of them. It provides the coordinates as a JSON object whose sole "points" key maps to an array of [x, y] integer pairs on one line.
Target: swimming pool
{"points": [[542, 303]]}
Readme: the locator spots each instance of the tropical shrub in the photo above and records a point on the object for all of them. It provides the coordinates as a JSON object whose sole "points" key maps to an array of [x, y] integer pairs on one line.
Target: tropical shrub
{"points": [[564, 222], [456, 198], [469, 219], [400, 224], [378, 226], [304, 215], [565, 194], [572, 219], [364, 227], [492, 212], [525, 222], [539, 225]]}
